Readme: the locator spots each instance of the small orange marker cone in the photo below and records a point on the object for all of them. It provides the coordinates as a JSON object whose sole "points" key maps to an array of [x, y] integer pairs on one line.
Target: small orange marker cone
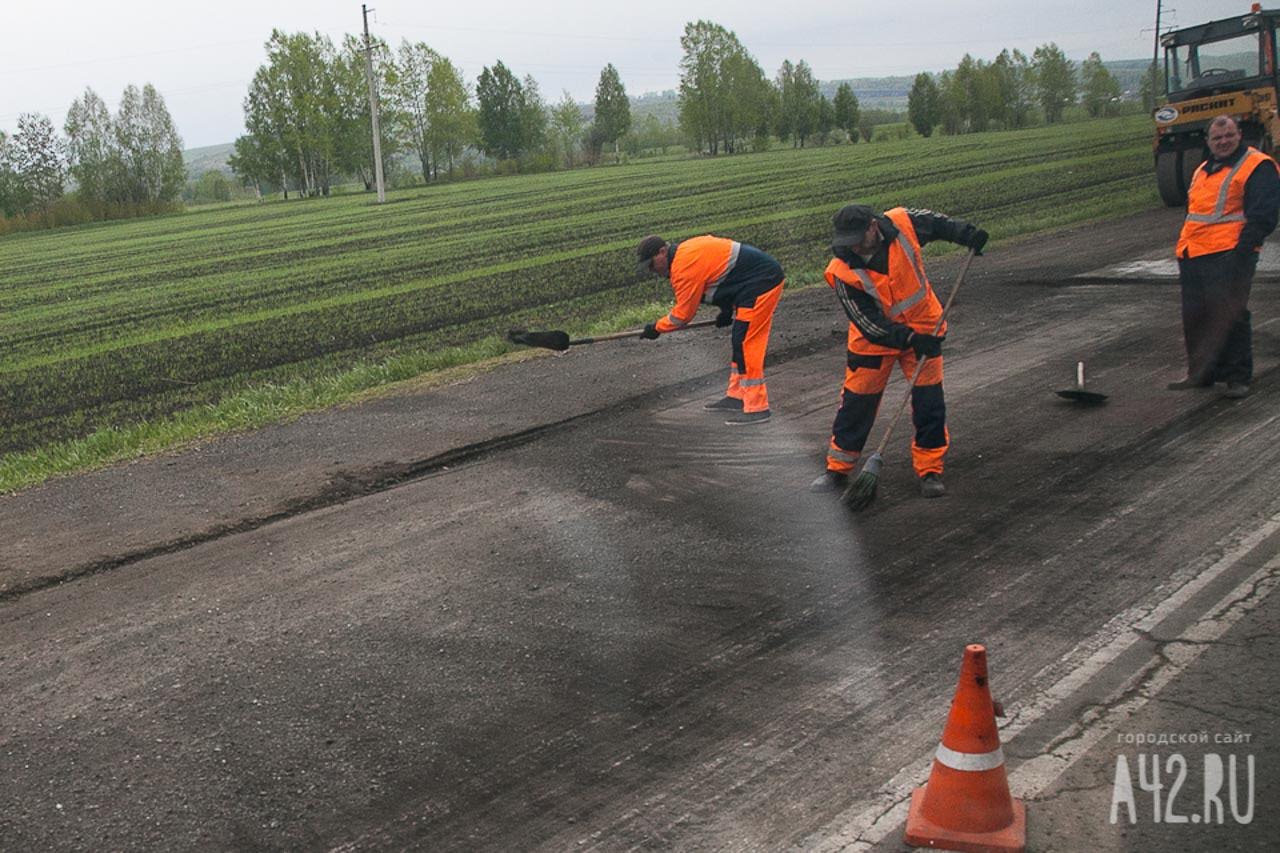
{"points": [[966, 804]]}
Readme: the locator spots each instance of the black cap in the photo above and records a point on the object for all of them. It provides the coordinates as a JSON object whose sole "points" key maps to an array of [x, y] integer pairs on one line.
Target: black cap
{"points": [[648, 248], [851, 223]]}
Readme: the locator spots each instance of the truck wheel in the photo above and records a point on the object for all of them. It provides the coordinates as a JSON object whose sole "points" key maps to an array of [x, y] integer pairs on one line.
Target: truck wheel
{"points": [[1169, 178], [1191, 160]]}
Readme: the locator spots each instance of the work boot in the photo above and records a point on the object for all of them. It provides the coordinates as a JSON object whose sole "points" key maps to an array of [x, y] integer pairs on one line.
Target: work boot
{"points": [[830, 483], [746, 418], [1187, 382], [1236, 390], [726, 404], [931, 486]]}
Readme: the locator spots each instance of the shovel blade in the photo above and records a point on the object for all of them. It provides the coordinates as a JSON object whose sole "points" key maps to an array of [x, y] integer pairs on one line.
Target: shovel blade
{"points": [[1079, 395], [546, 340]]}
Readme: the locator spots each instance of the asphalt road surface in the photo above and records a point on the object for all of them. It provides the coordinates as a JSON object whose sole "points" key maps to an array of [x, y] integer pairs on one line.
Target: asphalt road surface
{"points": [[555, 605]]}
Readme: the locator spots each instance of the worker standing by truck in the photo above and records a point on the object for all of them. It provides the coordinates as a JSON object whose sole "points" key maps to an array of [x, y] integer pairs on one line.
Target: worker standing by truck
{"points": [[1232, 205]]}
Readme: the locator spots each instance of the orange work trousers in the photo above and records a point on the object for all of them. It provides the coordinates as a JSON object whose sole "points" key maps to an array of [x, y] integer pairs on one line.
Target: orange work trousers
{"points": [[865, 378], [751, 324]]}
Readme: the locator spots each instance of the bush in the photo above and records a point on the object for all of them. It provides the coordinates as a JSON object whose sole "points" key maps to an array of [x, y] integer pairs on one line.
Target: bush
{"points": [[70, 210], [212, 186], [543, 161], [892, 132]]}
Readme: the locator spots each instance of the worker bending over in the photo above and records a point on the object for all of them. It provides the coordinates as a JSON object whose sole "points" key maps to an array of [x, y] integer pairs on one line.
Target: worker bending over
{"points": [[746, 284]]}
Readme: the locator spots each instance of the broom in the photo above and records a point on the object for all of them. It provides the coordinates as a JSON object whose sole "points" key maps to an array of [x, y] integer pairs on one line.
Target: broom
{"points": [[861, 493]]}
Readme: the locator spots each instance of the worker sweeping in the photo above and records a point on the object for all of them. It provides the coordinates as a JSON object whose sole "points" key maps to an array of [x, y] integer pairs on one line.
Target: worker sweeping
{"points": [[893, 315], [746, 284]]}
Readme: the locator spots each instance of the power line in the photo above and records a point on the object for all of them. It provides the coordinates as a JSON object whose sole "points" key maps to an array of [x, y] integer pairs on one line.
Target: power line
{"points": [[124, 57], [113, 104], [525, 33], [848, 44]]}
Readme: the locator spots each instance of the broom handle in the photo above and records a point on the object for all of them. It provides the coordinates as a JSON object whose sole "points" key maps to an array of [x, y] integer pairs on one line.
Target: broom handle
{"points": [[617, 336], [964, 268]]}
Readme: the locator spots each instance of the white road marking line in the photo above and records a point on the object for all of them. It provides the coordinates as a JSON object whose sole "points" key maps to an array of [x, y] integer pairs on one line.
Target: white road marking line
{"points": [[1037, 774], [875, 820]]}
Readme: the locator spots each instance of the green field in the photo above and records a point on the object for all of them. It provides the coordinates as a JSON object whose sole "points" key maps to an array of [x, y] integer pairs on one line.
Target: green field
{"points": [[124, 337]]}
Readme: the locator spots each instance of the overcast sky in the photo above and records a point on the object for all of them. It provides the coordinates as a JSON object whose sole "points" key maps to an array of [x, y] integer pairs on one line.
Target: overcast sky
{"points": [[201, 56]]}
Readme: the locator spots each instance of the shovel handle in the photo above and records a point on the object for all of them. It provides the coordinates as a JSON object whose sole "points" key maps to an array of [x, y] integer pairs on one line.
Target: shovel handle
{"points": [[634, 333]]}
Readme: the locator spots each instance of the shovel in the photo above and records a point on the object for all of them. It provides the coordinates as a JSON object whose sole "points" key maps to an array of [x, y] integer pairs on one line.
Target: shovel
{"points": [[561, 341], [1079, 394]]}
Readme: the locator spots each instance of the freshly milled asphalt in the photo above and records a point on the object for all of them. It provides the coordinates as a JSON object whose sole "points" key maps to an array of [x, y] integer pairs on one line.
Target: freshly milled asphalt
{"points": [[559, 606]]}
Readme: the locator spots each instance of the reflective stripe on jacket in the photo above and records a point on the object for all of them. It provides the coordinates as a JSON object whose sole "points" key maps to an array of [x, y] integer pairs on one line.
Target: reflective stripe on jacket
{"points": [[904, 293], [699, 266], [1215, 207]]}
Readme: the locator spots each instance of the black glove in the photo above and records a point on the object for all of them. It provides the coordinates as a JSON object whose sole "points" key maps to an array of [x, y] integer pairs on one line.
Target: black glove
{"points": [[926, 346], [650, 332], [975, 239], [724, 318]]}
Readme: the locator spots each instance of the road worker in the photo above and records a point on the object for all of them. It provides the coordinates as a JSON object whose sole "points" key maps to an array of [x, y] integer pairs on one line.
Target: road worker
{"points": [[745, 284], [879, 276], [1231, 208]]}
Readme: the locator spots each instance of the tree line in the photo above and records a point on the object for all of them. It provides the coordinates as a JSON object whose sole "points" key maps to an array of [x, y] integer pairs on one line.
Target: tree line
{"points": [[118, 165], [1007, 92], [309, 96], [307, 118], [728, 104], [307, 112]]}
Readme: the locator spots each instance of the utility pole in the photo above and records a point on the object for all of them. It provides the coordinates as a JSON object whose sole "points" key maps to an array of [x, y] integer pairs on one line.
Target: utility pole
{"points": [[373, 107], [1155, 59]]}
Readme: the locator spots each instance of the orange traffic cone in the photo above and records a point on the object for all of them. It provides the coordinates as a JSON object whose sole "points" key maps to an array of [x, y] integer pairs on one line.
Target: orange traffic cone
{"points": [[966, 804]]}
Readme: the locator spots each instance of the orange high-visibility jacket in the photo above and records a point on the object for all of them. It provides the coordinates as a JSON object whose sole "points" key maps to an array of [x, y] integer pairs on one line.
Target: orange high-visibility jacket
{"points": [[905, 294], [718, 271], [1215, 207]]}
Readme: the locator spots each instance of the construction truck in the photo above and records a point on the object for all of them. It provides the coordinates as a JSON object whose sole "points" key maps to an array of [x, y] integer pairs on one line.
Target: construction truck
{"points": [[1225, 67]]}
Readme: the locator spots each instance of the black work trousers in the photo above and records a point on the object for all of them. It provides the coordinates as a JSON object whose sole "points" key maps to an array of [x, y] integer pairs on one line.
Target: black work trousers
{"points": [[1215, 316]]}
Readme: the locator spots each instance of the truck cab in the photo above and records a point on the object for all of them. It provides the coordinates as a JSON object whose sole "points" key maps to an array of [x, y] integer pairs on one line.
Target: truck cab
{"points": [[1225, 67]]}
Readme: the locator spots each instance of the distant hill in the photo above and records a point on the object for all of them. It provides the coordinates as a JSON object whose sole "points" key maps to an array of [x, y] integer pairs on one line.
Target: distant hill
{"points": [[1129, 74], [877, 93], [664, 105], [886, 93], [883, 93], [890, 93], [209, 158]]}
